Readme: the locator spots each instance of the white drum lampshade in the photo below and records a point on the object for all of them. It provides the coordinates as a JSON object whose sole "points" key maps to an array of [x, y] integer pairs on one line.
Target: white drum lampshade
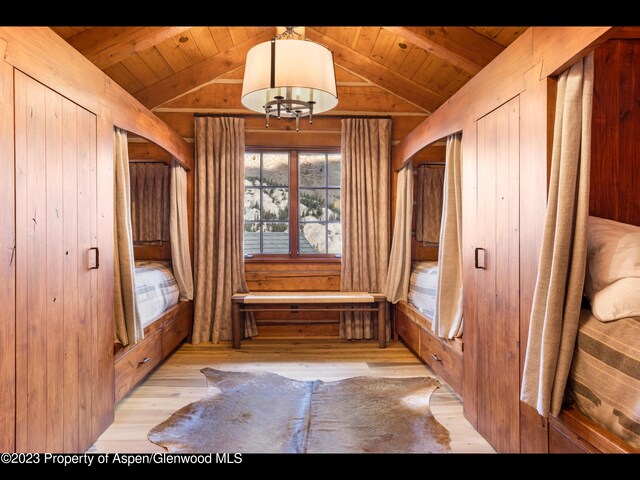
{"points": [[289, 78]]}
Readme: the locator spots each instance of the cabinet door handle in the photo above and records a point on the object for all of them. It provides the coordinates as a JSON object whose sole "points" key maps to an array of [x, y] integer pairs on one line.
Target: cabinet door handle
{"points": [[436, 357], [96, 263], [480, 258], [144, 360]]}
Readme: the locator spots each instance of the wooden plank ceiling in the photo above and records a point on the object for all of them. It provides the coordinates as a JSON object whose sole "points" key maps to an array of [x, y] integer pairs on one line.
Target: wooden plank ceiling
{"points": [[406, 72]]}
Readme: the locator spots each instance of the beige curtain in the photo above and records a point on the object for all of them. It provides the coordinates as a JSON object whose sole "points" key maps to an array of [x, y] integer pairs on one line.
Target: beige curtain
{"points": [[561, 269], [366, 147], [128, 328], [219, 225], [447, 321], [179, 225], [429, 187], [149, 202], [399, 272]]}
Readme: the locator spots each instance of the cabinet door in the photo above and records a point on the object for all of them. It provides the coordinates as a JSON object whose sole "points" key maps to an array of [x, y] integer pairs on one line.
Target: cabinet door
{"points": [[56, 288], [498, 139]]}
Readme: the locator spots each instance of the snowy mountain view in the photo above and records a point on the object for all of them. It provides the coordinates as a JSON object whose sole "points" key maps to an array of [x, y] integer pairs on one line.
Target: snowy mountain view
{"points": [[267, 197]]}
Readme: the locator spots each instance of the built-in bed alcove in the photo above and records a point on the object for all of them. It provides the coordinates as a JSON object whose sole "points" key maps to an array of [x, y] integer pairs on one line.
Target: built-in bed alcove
{"points": [[602, 399], [164, 313], [414, 317]]}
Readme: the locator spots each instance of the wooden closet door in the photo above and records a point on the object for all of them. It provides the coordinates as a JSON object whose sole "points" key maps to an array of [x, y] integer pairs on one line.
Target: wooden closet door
{"points": [[56, 290], [498, 140]]}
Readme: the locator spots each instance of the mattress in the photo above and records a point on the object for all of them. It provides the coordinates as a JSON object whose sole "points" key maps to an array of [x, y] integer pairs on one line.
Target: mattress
{"points": [[604, 382], [156, 290], [423, 287]]}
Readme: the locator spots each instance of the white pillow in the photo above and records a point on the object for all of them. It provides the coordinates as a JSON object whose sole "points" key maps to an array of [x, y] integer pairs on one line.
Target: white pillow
{"points": [[613, 253], [619, 300]]}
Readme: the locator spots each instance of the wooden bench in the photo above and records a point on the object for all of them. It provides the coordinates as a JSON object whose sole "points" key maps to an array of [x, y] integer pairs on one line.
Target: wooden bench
{"points": [[243, 303]]}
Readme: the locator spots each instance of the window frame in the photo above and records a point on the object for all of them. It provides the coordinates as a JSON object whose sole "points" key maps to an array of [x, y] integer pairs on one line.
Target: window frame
{"points": [[294, 220]]}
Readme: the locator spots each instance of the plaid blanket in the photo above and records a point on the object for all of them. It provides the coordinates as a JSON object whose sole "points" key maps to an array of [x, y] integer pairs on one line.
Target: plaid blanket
{"points": [[156, 290], [604, 382], [423, 287]]}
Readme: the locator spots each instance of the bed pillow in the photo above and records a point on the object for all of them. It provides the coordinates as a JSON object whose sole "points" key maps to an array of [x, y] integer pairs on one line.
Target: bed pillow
{"points": [[619, 300], [613, 253]]}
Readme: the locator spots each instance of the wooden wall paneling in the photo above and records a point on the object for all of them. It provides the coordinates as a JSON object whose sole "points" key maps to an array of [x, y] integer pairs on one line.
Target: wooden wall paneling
{"points": [[486, 316], [21, 328], [72, 260], [615, 175], [152, 252], [54, 268], [7, 260], [86, 142], [537, 104], [470, 240], [103, 400], [144, 150], [182, 123], [292, 277], [508, 237], [31, 236]]}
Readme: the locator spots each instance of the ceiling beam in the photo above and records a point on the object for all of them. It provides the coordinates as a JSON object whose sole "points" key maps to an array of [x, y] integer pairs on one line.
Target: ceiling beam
{"points": [[378, 74], [199, 74], [460, 46], [106, 46]]}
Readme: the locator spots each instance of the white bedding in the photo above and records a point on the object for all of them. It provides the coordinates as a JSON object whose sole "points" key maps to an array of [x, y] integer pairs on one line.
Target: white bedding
{"points": [[156, 290], [423, 287]]}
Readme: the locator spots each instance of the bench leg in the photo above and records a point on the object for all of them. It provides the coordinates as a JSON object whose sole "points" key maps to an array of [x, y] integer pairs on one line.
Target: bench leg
{"points": [[382, 324], [236, 323]]}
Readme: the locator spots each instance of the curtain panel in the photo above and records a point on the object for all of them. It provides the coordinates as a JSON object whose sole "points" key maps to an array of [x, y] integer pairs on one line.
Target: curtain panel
{"points": [[179, 227], [219, 226], [447, 321], [128, 329], [429, 200], [366, 149], [555, 314], [399, 272], [149, 202]]}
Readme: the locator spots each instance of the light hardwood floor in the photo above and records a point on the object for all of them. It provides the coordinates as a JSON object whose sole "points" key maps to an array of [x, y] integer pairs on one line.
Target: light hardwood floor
{"points": [[179, 381]]}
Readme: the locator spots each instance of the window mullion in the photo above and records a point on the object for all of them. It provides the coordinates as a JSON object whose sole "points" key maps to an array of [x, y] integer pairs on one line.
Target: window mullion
{"points": [[326, 203], [294, 198]]}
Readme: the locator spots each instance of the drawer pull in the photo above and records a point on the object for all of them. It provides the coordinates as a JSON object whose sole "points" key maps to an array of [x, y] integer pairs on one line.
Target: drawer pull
{"points": [[436, 357], [144, 360]]}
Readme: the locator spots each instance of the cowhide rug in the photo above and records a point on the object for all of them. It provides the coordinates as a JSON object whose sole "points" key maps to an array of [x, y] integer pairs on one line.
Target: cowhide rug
{"points": [[263, 412]]}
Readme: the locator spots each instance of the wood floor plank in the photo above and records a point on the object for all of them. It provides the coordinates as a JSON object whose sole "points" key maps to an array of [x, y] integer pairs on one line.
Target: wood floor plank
{"points": [[179, 381]]}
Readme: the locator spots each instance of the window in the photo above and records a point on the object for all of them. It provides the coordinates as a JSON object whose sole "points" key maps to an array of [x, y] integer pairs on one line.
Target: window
{"points": [[292, 204]]}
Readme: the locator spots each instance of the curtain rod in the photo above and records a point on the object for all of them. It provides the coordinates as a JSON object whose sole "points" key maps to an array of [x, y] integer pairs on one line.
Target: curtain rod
{"points": [[257, 115]]}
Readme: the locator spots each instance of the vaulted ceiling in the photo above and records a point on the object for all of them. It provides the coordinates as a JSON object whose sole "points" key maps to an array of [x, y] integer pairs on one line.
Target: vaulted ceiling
{"points": [[399, 71]]}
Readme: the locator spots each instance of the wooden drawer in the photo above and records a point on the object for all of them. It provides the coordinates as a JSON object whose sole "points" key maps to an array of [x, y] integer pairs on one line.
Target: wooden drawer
{"points": [[136, 364], [175, 330], [409, 331], [442, 359]]}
